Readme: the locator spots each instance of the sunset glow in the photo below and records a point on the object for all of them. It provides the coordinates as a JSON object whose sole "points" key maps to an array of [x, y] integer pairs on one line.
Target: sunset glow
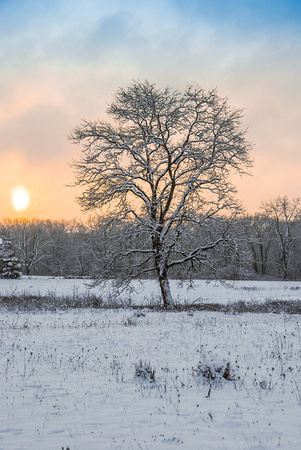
{"points": [[20, 198], [63, 61]]}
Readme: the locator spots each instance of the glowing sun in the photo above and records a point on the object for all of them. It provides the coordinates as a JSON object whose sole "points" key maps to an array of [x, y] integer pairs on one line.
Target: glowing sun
{"points": [[20, 198]]}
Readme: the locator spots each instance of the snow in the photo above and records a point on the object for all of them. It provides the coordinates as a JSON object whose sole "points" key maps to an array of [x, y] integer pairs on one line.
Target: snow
{"points": [[148, 290], [70, 378]]}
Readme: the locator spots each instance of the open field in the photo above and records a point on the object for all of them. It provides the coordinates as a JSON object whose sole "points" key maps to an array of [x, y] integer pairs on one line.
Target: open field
{"points": [[146, 379], [147, 292]]}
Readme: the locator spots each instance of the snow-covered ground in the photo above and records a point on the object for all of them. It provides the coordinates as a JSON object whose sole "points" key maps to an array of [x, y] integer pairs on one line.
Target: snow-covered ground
{"points": [[148, 290], [128, 379]]}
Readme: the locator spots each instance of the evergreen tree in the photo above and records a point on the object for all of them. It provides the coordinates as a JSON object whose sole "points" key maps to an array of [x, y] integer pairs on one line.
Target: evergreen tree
{"points": [[9, 264]]}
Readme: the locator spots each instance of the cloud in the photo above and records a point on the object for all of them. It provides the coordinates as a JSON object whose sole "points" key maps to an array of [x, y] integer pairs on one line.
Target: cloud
{"points": [[39, 133], [61, 60]]}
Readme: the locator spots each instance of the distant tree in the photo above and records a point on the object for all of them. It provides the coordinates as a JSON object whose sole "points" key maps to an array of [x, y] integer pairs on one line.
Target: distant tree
{"points": [[10, 267], [83, 259], [232, 258], [58, 251], [29, 241], [260, 239], [163, 169], [284, 216]]}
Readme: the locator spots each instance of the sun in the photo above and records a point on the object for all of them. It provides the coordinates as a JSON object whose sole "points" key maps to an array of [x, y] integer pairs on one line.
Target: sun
{"points": [[20, 198]]}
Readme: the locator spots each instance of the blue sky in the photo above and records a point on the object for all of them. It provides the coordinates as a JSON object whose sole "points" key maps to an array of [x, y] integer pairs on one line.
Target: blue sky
{"points": [[62, 60]]}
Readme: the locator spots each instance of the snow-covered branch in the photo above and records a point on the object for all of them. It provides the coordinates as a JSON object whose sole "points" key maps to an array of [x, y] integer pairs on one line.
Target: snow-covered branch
{"points": [[168, 160]]}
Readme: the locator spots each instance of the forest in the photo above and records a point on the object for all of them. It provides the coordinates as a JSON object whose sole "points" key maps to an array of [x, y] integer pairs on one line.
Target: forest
{"points": [[266, 245]]}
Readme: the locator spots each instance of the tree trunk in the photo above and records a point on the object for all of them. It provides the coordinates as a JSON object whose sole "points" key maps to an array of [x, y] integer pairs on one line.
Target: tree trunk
{"points": [[161, 269], [166, 292], [284, 267], [255, 263]]}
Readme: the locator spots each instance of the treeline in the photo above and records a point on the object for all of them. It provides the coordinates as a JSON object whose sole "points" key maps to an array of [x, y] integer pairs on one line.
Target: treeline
{"points": [[266, 245]]}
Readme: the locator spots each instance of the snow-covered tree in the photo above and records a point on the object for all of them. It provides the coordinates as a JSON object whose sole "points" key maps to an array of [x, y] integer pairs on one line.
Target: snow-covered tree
{"points": [[284, 216], [161, 171], [10, 267], [259, 236], [29, 240]]}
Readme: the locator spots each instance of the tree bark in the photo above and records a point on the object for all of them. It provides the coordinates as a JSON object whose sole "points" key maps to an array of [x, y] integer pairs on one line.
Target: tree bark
{"points": [[165, 291], [161, 268]]}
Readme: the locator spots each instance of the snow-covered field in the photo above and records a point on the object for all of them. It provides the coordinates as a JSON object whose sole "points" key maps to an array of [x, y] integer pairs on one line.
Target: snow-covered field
{"points": [[128, 379], [149, 291]]}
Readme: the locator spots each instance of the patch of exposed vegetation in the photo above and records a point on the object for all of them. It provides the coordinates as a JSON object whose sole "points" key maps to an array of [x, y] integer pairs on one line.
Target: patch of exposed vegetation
{"points": [[53, 302]]}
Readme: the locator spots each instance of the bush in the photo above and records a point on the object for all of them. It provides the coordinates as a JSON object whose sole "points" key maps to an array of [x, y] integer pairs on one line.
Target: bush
{"points": [[144, 371], [215, 370]]}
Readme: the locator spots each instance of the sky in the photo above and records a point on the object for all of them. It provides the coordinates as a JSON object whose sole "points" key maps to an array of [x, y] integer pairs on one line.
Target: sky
{"points": [[62, 60]]}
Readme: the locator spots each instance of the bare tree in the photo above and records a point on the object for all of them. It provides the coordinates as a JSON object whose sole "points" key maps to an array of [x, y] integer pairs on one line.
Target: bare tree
{"points": [[164, 167], [58, 251], [284, 216], [28, 240], [83, 260], [259, 232]]}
